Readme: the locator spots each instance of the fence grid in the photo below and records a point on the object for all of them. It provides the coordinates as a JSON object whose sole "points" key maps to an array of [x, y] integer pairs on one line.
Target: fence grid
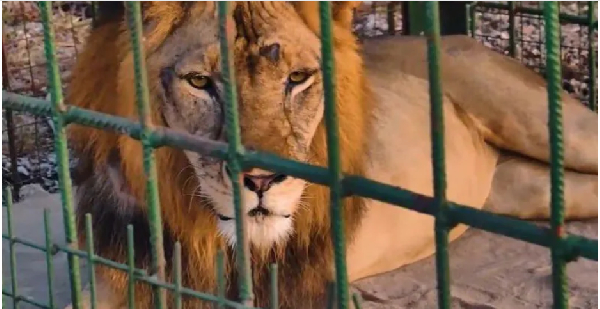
{"points": [[564, 247]]}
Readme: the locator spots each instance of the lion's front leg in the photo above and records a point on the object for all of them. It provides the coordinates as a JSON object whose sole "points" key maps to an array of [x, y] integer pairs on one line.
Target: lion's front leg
{"points": [[521, 188]]}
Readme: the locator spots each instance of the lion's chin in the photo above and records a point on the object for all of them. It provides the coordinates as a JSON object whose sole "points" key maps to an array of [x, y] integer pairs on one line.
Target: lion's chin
{"points": [[262, 231]]}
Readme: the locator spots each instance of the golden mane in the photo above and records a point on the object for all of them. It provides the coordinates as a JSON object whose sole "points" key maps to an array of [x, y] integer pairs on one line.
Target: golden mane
{"points": [[103, 81]]}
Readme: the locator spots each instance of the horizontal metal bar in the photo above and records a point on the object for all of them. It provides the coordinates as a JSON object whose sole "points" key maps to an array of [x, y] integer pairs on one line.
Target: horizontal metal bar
{"points": [[140, 275], [563, 18], [25, 299], [353, 185], [477, 218], [79, 253]]}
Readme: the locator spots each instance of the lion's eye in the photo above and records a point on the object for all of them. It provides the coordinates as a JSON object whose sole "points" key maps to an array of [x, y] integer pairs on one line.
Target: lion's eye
{"points": [[198, 81], [298, 77]]}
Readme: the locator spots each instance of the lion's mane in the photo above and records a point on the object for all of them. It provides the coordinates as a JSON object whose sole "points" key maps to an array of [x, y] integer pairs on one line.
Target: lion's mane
{"points": [[102, 80]]}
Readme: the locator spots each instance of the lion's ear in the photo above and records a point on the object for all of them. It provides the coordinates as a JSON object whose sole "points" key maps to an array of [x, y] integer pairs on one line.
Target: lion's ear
{"points": [[341, 13]]}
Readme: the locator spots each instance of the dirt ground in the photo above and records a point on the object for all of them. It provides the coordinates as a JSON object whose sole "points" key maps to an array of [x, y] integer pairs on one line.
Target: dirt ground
{"points": [[487, 271]]}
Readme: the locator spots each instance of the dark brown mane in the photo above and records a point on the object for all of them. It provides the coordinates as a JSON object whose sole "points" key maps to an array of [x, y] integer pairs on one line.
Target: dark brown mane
{"points": [[306, 260]]}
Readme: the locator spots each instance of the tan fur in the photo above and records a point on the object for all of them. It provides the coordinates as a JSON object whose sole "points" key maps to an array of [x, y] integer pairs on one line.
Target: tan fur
{"points": [[383, 117], [105, 84], [501, 104]]}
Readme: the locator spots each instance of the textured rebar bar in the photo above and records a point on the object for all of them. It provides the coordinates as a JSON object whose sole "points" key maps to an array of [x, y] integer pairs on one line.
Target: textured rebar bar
{"points": [[12, 259], [89, 233], [48, 254], [130, 267], [62, 153], [333, 156], [592, 61], [555, 129], [235, 153], [134, 19], [512, 46], [432, 33], [177, 277], [220, 279]]}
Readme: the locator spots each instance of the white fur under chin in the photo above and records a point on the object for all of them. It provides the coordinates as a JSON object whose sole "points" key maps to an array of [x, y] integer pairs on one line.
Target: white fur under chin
{"points": [[264, 232]]}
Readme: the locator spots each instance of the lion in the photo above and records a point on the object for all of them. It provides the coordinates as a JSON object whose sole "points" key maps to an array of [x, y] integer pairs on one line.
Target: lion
{"points": [[495, 123]]}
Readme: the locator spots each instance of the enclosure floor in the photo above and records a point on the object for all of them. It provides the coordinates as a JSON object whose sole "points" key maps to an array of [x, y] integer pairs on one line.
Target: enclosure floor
{"points": [[487, 271]]}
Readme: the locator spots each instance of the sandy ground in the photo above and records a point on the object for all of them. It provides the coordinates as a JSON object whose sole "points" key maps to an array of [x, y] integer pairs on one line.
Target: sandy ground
{"points": [[487, 271]]}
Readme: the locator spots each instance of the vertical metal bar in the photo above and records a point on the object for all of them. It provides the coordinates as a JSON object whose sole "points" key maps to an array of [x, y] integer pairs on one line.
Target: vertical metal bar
{"points": [[333, 156], [11, 246], [511, 29], [177, 274], [62, 153], [468, 9], [130, 267], [220, 280], [559, 279], [12, 152], [95, 13], [235, 154], [592, 61], [391, 17], [415, 17], [472, 8], [330, 292], [274, 303], [134, 19], [357, 299], [10, 128], [90, 259], [438, 158], [49, 251]]}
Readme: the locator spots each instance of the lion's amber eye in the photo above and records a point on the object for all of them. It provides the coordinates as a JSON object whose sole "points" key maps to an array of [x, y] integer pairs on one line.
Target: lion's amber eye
{"points": [[298, 77], [198, 81]]}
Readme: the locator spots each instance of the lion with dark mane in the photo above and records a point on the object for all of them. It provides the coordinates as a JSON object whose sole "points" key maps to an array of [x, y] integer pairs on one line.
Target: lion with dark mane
{"points": [[497, 148]]}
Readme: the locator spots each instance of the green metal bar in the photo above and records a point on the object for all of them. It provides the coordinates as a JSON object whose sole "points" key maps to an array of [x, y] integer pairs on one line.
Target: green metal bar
{"points": [[512, 46], [24, 299], [353, 185], [177, 274], [274, 303], [472, 9], [134, 18], [11, 246], [442, 219], [333, 156], [48, 253], [559, 277], [469, 19], [235, 153], [330, 291], [90, 259], [592, 61], [357, 299], [415, 18], [220, 280], [130, 267], [62, 153]]}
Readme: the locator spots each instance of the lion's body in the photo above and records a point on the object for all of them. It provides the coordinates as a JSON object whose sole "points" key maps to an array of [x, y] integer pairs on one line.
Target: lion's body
{"points": [[383, 108], [495, 106]]}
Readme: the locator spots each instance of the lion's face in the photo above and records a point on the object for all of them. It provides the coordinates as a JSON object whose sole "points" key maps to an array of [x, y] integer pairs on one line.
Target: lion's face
{"points": [[279, 91]]}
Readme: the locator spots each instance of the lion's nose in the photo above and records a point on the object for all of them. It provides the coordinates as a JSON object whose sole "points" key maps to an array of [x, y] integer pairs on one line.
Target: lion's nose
{"points": [[256, 182], [261, 183]]}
